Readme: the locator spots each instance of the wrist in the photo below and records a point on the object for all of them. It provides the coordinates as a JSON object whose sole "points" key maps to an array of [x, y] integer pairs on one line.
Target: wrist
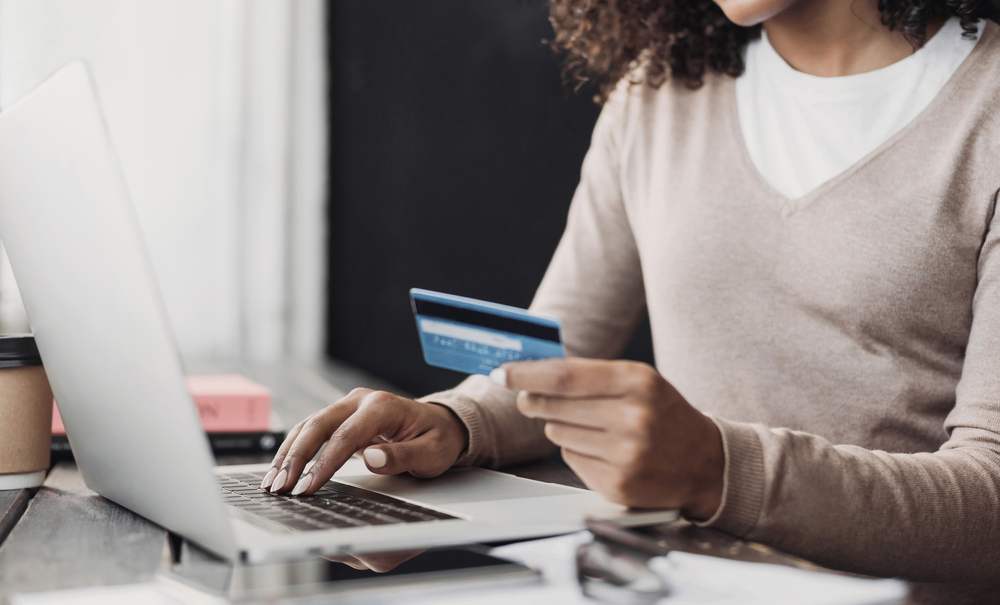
{"points": [[709, 478], [454, 432]]}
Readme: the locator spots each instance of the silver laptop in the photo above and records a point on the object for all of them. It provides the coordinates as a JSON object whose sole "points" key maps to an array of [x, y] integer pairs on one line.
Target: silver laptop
{"points": [[81, 265]]}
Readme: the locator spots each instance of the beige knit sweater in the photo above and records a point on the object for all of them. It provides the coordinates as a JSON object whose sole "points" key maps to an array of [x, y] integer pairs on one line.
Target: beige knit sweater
{"points": [[847, 343]]}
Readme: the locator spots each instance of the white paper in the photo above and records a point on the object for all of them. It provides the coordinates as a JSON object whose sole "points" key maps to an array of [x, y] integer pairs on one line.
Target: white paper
{"points": [[695, 579]]}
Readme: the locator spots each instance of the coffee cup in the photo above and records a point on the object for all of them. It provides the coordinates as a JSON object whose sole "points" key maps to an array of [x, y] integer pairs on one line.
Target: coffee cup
{"points": [[25, 413]]}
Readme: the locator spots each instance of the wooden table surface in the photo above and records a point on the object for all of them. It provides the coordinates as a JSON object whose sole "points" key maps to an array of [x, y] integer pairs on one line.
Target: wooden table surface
{"points": [[66, 536]]}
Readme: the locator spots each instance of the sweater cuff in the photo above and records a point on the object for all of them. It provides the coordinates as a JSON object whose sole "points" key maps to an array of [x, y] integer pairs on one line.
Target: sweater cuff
{"points": [[743, 479], [468, 412]]}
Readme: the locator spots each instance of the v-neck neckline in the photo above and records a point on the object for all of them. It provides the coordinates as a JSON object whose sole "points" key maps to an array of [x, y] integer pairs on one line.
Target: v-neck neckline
{"points": [[786, 206]]}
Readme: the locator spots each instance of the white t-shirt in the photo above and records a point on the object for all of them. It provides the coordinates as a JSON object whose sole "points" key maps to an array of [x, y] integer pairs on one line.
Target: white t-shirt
{"points": [[802, 130]]}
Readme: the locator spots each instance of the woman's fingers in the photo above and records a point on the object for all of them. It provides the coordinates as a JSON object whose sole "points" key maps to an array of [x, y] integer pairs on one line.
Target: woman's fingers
{"points": [[593, 413], [597, 475], [594, 443], [279, 456], [312, 433], [576, 377], [421, 457], [377, 413]]}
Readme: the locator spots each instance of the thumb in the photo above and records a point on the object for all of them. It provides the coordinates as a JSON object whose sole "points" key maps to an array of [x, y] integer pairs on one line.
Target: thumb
{"points": [[416, 456]]}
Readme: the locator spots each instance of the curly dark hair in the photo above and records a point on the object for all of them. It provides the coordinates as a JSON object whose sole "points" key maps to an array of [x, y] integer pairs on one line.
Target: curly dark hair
{"points": [[683, 39]]}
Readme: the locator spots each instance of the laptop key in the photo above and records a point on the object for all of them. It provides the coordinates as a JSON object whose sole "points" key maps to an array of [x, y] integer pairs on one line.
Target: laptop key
{"points": [[408, 517], [376, 519], [341, 520], [316, 515], [340, 509], [259, 509], [333, 520], [302, 524], [334, 505]]}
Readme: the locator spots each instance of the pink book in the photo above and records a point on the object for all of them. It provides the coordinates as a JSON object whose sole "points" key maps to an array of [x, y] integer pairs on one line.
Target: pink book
{"points": [[229, 403]]}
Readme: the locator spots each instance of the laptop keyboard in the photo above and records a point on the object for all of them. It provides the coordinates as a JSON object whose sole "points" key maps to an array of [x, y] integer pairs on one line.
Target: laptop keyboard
{"points": [[335, 505]]}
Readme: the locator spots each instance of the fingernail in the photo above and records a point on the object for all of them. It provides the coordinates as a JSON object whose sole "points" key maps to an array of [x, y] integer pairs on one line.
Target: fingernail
{"points": [[303, 484], [279, 481], [375, 458], [268, 478], [499, 376]]}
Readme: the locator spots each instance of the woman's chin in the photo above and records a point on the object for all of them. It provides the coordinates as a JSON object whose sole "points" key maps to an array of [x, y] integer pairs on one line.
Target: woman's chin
{"points": [[752, 12]]}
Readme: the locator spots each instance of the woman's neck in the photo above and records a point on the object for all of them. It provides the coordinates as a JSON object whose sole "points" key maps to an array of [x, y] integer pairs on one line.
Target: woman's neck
{"points": [[837, 38]]}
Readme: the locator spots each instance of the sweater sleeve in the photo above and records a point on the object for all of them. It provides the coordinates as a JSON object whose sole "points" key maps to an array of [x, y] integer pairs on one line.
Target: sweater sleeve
{"points": [[593, 285], [925, 516]]}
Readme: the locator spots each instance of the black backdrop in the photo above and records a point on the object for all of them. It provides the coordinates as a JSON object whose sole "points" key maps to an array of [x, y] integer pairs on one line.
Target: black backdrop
{"points": [[455, 151]]}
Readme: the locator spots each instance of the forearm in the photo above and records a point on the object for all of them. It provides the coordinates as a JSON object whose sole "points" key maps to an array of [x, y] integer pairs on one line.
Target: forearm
{"points": [[928, 516]]}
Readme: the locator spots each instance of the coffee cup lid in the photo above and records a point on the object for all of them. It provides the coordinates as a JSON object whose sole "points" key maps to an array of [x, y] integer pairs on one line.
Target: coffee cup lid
{"points": [[18, 350]]}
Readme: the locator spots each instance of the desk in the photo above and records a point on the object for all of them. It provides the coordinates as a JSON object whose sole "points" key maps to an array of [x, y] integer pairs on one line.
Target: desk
{"points": [[65, 536]]}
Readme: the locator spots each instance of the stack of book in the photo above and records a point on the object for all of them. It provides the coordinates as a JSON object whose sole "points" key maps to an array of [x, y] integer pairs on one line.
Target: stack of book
{"points": [[235, 412]]}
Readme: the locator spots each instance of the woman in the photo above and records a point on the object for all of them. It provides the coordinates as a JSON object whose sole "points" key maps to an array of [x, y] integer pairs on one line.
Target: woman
{"points": [[801, 194]]}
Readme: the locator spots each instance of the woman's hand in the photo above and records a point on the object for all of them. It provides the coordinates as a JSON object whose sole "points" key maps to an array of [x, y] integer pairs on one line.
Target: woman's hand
{"points": [[625, 431], [397, 434]]}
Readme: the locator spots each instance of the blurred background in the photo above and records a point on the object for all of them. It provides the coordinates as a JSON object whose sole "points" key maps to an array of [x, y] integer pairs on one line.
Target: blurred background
{"points": [[297, 166]]}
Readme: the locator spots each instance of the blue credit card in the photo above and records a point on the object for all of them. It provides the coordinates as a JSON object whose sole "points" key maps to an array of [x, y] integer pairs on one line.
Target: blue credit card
{"points": [[474, 337]]}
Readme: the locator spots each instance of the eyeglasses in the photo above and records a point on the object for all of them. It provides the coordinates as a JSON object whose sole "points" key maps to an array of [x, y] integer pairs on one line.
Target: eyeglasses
{"points": [[615, 567]]}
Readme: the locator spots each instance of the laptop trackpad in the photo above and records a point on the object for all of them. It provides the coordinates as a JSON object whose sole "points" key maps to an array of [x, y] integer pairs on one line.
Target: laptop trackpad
{"points": [[458, 486]]}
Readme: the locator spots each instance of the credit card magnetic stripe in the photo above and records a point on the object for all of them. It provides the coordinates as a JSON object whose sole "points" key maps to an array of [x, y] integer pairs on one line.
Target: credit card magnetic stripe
{"points": [[475, 337], [474, 317]]}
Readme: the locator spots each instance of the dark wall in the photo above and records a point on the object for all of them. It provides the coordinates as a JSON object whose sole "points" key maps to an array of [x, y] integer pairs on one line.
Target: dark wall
{"points": [[455, 151]]}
